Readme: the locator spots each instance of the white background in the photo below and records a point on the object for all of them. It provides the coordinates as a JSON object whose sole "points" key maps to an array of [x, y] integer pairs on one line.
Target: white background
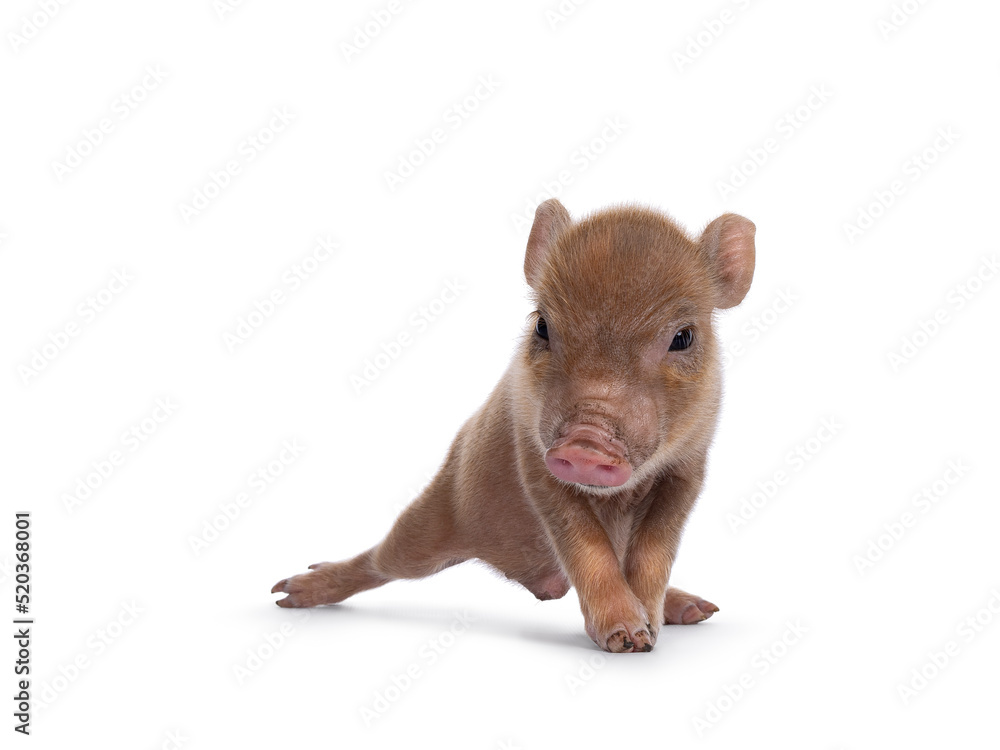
{"points": [[521, 674]]}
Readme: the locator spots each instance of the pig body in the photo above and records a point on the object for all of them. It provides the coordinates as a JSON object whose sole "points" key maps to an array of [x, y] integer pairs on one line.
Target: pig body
{"points": [[583, 464]]}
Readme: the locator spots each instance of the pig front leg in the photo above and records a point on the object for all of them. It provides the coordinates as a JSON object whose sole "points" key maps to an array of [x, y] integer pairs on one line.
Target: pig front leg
{"points": [[615, 619], [653, 548]]}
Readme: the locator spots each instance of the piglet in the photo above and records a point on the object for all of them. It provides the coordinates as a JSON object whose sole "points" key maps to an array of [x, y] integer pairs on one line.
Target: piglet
{"points": [[582, 466]]}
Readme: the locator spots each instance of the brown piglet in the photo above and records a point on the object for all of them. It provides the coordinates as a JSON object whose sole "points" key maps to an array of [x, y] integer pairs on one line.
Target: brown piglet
{"points": [[582, 466]]}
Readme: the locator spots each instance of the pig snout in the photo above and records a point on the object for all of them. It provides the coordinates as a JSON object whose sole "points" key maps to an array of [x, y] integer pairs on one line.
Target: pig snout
{"points": [[586, 454]]}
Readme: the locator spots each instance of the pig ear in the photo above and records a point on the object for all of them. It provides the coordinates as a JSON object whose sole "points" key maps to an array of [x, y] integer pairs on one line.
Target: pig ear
{"points": [[551, 220], [728, 241]]}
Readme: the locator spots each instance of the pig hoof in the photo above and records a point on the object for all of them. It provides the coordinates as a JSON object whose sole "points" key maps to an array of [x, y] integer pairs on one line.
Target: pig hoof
{"points": [[295, 597], [643, 641], [682, 608], [306, 590], [620, 630], [622, 642], [279, 588], [618, 643]]}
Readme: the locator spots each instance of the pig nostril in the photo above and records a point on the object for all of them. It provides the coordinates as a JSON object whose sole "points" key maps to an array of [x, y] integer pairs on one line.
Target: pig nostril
{"points": [[579, 461]]}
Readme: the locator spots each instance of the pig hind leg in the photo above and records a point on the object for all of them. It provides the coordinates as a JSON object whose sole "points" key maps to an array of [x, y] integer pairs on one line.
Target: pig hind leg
{"points": [[420, 543]]}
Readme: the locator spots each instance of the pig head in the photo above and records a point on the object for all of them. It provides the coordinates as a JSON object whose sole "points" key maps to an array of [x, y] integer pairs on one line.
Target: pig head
{"points": [[619, 376]]}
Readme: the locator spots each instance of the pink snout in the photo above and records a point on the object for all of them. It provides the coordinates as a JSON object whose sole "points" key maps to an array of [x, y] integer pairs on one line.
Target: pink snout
{"points": [[588, 455]]}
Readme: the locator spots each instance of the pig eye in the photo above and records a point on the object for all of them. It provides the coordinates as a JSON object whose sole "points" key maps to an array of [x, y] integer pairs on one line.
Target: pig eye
{"points": [[682, 340], [541, 328]]}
